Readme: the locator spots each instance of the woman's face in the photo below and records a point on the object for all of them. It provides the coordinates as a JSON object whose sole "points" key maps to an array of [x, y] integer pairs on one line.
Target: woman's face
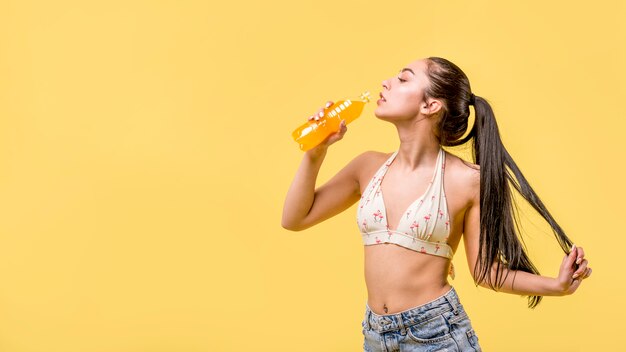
{"points": [[402, 95]]}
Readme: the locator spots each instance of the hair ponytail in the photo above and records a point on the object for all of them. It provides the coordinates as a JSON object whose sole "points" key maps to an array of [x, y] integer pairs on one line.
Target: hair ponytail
{"points": [[500, 240]]}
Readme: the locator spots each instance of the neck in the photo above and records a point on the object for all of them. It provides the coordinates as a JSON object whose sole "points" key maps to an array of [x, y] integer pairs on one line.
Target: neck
{"points": [[418, 145]]}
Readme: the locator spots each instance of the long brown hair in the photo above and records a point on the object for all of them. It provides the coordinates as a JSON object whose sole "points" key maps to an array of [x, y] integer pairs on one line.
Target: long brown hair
{"points": [[500, 238]]}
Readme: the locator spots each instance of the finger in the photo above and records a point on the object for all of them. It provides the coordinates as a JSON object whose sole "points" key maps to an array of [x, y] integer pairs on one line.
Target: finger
{"points": [[588, 273], [581, 269], [342, 128], [581, 254], [320, 113], [328, 104], [341, 132], [569, 260]]}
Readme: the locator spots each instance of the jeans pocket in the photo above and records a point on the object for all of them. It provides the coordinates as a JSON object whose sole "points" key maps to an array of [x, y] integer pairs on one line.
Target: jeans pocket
{"points": [[432, 330]]}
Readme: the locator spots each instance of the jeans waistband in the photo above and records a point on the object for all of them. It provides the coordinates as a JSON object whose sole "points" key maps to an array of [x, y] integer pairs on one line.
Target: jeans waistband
{"points": [[399, 321]]}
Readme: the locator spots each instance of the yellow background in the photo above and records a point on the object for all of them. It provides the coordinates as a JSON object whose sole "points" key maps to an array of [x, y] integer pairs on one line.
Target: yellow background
{"points": [[145, 154]]}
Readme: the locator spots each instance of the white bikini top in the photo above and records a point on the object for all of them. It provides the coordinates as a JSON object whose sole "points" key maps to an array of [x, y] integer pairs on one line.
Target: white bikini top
{"points": [[424, 227]]}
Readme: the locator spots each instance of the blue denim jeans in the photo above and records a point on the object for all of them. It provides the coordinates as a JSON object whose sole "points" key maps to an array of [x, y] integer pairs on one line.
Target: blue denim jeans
{"points": [[439, 325]]}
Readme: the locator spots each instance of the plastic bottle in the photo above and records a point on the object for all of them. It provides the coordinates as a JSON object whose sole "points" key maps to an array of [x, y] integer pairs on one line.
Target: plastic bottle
{"points": [[312, 132]]}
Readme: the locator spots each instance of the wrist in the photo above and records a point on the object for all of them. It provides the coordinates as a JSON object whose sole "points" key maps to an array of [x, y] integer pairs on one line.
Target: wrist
{"points": [[317, 153], [557, 288]]}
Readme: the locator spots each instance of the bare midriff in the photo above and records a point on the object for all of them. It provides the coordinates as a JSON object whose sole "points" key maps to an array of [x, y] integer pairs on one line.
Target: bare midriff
{"points": [[398, 279]]}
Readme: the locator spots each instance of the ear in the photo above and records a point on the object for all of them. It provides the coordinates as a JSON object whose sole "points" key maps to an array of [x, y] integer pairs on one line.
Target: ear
{"points": [[431, 106]]}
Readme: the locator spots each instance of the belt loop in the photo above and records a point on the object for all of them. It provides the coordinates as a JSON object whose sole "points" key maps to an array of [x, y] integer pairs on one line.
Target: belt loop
{"points": [[455, 309], [401, 323], [367, 319]]}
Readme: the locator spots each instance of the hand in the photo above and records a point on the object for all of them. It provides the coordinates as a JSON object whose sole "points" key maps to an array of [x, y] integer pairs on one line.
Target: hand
{"points": [[334, 137], [321, 112], [573, 270]]}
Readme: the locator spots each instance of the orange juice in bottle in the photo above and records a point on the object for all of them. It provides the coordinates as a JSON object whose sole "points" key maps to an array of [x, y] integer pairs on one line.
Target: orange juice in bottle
{"points": [[312, 132]]}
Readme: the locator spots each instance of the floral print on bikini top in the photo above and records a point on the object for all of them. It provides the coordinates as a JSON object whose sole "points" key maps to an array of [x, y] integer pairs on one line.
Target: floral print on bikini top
{"points": [[424, 227]]}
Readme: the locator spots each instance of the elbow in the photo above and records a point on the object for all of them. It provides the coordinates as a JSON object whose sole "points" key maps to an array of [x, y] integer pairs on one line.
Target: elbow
{"points": [[485, 284], [294, 223], [290, 227], [493, 281], [487, 280], [287, 225], [287, 222], [482, 283]]}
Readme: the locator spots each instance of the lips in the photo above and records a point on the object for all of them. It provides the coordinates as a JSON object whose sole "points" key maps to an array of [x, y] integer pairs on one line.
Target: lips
{"points": [[382, 96]]}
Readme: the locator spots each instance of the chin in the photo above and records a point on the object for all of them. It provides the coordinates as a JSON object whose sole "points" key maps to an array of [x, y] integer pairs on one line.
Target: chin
{"points": [[394, 115], [378, 113], [383, 116]]}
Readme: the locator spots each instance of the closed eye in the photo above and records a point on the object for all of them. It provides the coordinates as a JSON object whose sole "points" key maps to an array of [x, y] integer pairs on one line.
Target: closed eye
{"points": [[401, 80]]}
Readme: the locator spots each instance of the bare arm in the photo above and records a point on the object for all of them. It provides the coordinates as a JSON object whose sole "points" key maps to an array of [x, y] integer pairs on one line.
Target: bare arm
{"points": [[516, 281], [306, 206]]}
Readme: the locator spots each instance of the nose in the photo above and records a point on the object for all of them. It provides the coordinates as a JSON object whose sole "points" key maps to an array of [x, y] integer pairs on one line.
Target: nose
{"points": [[386, 84]]}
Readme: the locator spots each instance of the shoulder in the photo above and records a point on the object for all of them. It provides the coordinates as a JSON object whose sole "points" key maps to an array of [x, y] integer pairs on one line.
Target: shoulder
{"points": [[371, 157], [465, 175], [367, 163]]}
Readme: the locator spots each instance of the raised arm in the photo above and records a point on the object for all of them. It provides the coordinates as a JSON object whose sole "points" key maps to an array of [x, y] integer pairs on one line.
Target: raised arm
{"points": [[306, 206], [573, 267]]}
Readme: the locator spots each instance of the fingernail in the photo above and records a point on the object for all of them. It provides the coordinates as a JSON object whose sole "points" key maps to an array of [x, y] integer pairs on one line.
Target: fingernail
{"points": [[575, 276], [328, 104], [321, 114], [573, 246], [579, 260]]}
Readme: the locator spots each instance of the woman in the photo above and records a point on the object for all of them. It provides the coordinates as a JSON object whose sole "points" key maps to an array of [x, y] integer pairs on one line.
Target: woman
{"points": [[411, 224]]}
